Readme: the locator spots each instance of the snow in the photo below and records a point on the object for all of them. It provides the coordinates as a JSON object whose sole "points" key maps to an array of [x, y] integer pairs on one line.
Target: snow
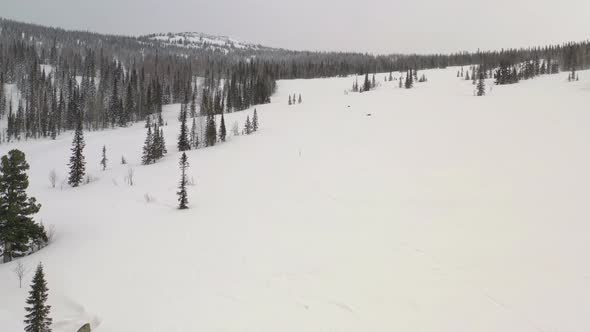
{"points": [[203, 41], [439, 212]]}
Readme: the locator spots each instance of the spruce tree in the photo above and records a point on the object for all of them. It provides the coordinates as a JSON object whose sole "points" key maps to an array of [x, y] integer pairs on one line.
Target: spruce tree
{"points": [[163, 149], [290, 100], [156, 150], [248, 126], [37, 318], [222, 130], [255, 120], [409, 80], [182, 196], [367, 84], [147, 157], [193, 106], [103, 160], [299, 101], [194, 137], [183, 142], [481, 85], [17, 228], [210, 131], [77, 162]]}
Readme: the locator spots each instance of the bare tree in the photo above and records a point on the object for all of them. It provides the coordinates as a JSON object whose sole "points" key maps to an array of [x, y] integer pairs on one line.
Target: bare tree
{"points": [[50, 234], [129, 176], [235, 128], [52, 178], [21, 271], [148, 198]]}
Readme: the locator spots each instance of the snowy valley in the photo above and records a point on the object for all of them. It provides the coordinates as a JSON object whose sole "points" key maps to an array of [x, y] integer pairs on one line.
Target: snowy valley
{"points": [[424, 209]]}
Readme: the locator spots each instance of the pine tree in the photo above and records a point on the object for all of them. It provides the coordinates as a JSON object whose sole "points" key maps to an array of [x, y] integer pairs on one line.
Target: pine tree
{"points": [[183, 142], [299, 101], [17, 228], [147, 157], [210, 131], [481, 85], [367, 84], [156, 150], [290, 100], [194, 137], [123, 161], [37, 318], [409, 80], [222, 130], [163, 149], [193, 106], [77, 162], [248, 126], [182, 196], [103, 161], [255, 120]]}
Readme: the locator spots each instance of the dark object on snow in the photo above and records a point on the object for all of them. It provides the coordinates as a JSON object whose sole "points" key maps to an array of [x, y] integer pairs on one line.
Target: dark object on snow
{"points": [[369, 114], [85, 328]]}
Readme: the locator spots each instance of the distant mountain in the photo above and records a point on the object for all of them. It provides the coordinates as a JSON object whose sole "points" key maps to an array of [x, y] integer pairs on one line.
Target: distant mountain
{"points": [[203, 41]]}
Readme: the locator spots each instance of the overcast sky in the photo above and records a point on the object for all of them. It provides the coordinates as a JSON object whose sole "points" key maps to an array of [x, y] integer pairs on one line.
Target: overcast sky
{"points": [[378, 26]]}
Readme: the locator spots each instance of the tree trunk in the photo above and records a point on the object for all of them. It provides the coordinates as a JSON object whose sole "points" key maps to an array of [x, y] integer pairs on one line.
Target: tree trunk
{"points": [[7, 257]]}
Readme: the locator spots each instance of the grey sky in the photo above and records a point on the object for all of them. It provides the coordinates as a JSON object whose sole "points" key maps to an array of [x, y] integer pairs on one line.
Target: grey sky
{"points": [[382, 26]]}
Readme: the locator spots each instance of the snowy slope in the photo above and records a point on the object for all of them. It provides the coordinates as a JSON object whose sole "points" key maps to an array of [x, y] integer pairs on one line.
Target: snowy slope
{"points": [[439, 212], [203, 41]]}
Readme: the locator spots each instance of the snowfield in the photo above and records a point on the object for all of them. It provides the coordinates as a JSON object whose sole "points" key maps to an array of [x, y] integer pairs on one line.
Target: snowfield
{"points": [[439, 212]]}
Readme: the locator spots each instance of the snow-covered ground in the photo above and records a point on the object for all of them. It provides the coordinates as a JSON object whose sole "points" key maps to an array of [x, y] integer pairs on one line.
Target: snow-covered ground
{"points": [[439, 212], [203, 41]]}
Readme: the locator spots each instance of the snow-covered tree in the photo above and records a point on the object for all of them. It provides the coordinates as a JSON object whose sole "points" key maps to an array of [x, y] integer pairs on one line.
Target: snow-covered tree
{"points": [[77, 162], [37, 318], [182, 196], [103, 160]]}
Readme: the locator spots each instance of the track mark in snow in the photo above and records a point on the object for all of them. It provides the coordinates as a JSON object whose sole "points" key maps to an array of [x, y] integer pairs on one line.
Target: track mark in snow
{"points": [[513, 312]]}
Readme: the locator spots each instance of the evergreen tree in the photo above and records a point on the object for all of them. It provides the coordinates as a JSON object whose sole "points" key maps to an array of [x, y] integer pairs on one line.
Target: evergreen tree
{"points": [[123, 161], [193, 106], [182, 196], [77, 162], [255, 120], [163, 149], [222, 130], [248, 126], [210, 131], [290, 100], [481, 85], [299, 101], [409, 80], [367, 84], [156, 150], [194, 137], [103, 160], [147, 157], [17, 228], [37, 318], [183, 142]]}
